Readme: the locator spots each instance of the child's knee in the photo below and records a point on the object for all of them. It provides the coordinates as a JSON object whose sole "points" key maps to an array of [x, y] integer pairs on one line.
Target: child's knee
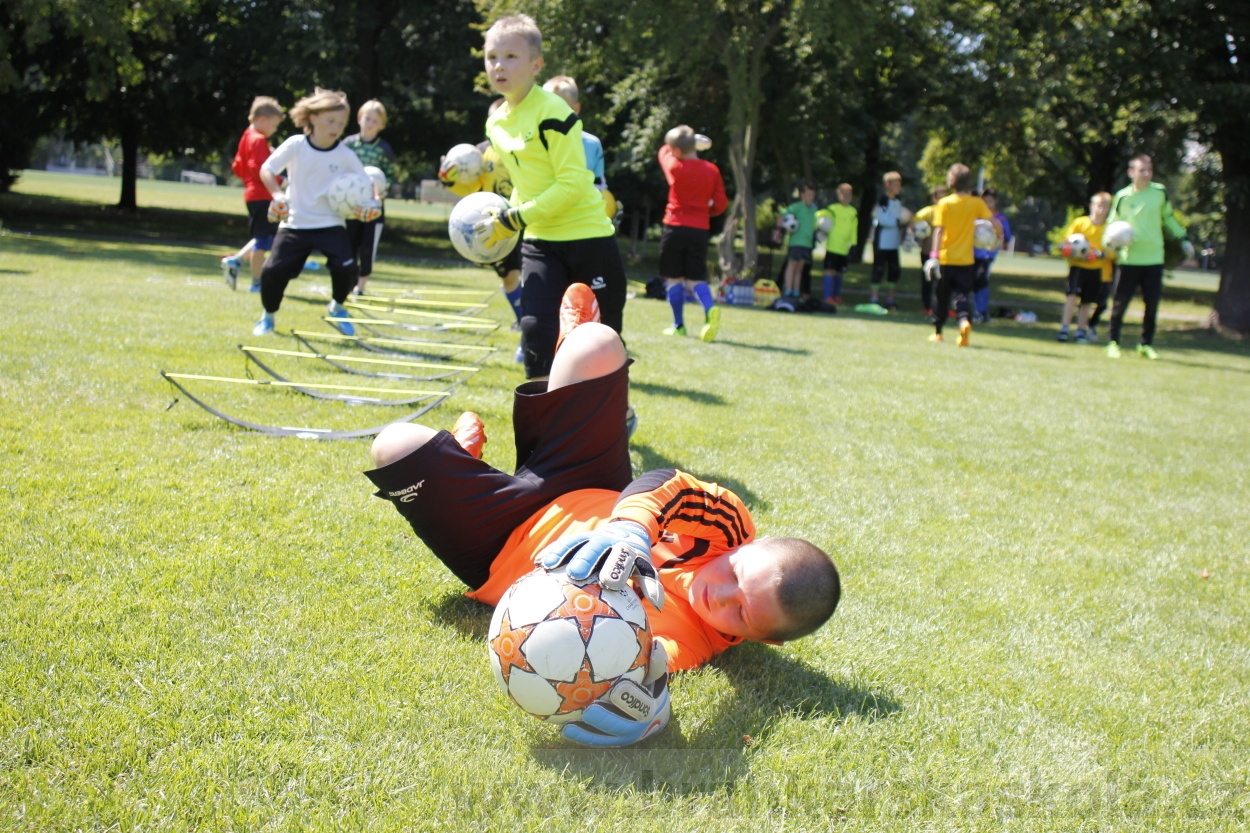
{"points": [[397, 441], [590, 351]]}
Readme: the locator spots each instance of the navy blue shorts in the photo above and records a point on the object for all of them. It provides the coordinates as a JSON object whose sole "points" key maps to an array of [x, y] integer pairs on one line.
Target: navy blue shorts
{"points": [[259, 227]]}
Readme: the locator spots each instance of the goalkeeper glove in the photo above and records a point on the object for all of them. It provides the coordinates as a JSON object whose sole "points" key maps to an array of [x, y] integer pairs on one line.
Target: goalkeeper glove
{"points": [[367, 211], [609, 556], [498, 226], [279, 208], [448, 172], [628, 712], [932, 270]]}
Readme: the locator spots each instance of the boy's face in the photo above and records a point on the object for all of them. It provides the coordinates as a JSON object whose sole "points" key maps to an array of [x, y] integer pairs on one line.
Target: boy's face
{"points": [[267, 125], [893, 187], [844, 196], [1098, 211], [370, 125], [991, 201], [736, 593], [327, 126], [1140, 172], [510, 67], [808, 196]]}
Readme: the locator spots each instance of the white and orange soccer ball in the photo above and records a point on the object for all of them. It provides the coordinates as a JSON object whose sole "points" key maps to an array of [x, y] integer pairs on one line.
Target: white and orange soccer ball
{"points": [[348, 191], [556, 647], [1075, 247]]}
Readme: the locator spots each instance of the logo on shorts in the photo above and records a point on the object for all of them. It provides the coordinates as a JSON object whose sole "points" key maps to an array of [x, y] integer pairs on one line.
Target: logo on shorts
{"points": [[407, 495], [598, 283]]}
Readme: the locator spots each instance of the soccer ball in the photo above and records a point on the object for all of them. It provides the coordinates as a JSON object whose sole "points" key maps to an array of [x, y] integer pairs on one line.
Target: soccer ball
{"points": [[984, 237], [824, 222], [460, 228], [348, 191], [1118, 235], [920, 229], [1075, 247], [467, 160], [379, 179], [556, 647], [789, 223]]}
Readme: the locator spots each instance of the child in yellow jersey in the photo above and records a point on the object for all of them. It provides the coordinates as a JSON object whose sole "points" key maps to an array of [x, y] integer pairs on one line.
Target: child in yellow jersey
{"points": [[1085, 275], [954, 222], [566, 235], [574, 496]]}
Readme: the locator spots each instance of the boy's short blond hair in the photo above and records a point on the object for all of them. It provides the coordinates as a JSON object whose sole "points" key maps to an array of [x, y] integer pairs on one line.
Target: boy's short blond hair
{"points": [[264, 105], [680, 138], [846, 186], [372, 106], [892, 176], [959, 177], [519, 24], [808, 586], [321, 101], [563, 86], [1101, 196]]}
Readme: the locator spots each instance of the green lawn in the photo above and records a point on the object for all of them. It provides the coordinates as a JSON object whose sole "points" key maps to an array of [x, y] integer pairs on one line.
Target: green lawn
{"points": [[1044, 627]]}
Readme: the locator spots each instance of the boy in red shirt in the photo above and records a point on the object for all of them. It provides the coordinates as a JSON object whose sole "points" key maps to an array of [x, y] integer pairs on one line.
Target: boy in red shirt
{"points": [[696, 193], [265, 116], [574, 497]]}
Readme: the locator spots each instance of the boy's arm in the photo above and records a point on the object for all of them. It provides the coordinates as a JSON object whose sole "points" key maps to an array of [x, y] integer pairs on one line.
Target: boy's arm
{"points": [[1173, 225], [719, 200], [668, 500], [667, 162], [563, 139]]}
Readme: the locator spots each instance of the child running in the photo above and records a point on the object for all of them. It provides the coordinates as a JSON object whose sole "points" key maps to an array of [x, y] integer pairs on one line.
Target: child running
{"points": [[696, 193], [264, 118], [573, 499], [312, 161]]}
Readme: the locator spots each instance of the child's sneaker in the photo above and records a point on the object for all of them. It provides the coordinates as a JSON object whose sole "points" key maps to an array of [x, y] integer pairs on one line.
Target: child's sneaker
{"points": [[1148, 352], [890, 305], [577, 307], [255, 287], [675, 331], [965, 333], [631, 421], [519, 355], [264, 326], [712, 326], [470, 433], [1081, 337], [936, 338], [337, 310], [1063, 335], [1112, 350], [230, 271], [1092, 333]]}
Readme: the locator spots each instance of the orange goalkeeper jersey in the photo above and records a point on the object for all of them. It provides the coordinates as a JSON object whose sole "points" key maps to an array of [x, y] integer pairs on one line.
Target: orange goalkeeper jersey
{"points": [[691, 523]]}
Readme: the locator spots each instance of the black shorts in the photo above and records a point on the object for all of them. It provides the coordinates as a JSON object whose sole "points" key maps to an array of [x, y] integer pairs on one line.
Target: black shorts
{"points": [[365, 237], [259, 227], [1084, 282], [835, 262], [549, 267], [465, 510], [683, 253], [511, 263], [885, 265]]}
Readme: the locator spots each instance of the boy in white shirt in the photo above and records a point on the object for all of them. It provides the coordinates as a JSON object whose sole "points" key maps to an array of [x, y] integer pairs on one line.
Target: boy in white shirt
{"points": [[308, 223]]}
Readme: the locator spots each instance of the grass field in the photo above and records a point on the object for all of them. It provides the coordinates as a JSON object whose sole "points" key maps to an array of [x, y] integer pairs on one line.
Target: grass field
{"points": [[1045, 624]]}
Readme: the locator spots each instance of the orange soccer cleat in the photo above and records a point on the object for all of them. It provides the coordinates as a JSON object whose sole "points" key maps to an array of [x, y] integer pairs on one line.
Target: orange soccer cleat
{"points": [[470, 433], [965, 333], [578, 306]]}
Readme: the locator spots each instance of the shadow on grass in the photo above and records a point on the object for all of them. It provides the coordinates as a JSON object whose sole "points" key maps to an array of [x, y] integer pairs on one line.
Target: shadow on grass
{"points": [[768, 687], [468, 617], [652, 460], [16, 271], [702, 397]]}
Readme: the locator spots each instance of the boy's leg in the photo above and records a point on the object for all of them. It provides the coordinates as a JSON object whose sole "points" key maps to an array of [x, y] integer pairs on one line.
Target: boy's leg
{"points": [[675, 292], [878, 272], [1151, 293], [341, 261], [941, 300], [893, 272], [545, 277], [366, 249], [291, 248], [1125, 287], [589, 351], [1069, 303]]}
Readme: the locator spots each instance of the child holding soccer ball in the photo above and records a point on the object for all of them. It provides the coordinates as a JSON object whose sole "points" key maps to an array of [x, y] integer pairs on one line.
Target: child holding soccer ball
{"points": [[574, 503], [264, 118], [567, 237], [374, 151], [954, 225], [312, 161], [696, 193], [1086, 275], [802, 239]]}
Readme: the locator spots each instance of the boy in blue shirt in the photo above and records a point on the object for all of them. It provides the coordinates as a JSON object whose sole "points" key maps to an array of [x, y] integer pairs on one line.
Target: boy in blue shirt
{"points": [[985, 259]]}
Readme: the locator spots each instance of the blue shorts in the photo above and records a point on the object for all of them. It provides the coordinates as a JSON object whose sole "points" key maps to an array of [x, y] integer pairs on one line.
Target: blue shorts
{"points": [[800, 253]]}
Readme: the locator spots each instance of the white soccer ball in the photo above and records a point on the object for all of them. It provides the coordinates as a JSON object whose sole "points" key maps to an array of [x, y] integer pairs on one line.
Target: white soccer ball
{"points": [[824, 223], [984, 237], [789, 223], [920, 229], [348, 191], [1075, 246], [379, 179], [460, 224], [1118, 235], [556, 647], [468, 162]]}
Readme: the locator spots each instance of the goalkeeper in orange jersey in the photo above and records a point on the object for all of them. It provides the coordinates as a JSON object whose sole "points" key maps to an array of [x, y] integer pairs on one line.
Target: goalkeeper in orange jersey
{"points": [[573, 502]]}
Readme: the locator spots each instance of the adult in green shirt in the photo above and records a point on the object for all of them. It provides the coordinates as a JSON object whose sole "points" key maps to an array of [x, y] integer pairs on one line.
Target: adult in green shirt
{"points": [[1145, 206]]}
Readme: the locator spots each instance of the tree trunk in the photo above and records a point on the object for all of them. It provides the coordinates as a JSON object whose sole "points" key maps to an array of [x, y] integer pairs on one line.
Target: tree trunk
{"points": [[1231, 311], [130, 155], [868, 199]]}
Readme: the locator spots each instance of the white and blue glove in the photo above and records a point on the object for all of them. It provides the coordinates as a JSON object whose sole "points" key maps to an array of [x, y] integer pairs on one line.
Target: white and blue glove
{"points": [[608, 556], [629, 712]]}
